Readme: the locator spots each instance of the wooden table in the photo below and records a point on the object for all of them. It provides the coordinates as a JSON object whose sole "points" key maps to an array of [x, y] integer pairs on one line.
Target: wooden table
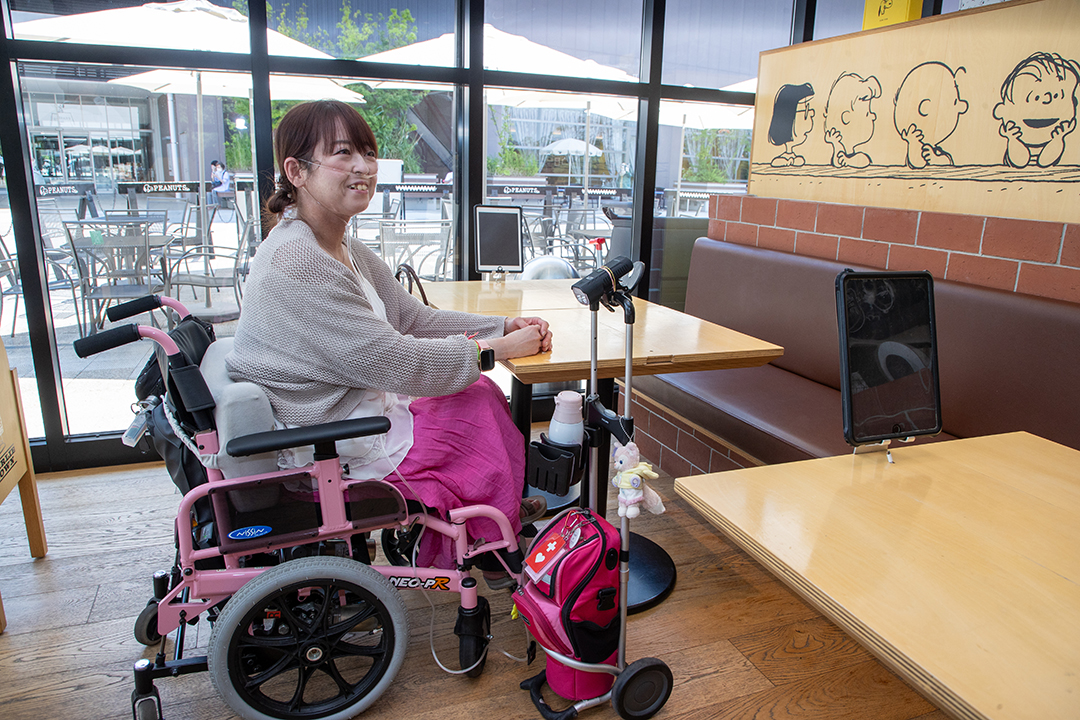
{"points": [[664, 340], [958, 566]]}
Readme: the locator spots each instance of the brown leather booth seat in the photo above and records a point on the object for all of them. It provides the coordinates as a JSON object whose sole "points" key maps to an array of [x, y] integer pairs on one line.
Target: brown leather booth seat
{"points": [[1007, 362]]}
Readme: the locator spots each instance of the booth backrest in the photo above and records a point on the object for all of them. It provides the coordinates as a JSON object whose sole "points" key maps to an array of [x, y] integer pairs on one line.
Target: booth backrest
{"points": [[1007, 361], [785, 299]]}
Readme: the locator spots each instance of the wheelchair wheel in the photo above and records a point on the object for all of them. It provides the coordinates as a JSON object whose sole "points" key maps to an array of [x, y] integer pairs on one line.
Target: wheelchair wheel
{"points": [[146, 629], [398, 544], [641, 690], [320, 637], [473, 629]]}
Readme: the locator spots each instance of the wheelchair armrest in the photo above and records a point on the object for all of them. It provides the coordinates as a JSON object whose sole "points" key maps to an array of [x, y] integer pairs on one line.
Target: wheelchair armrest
{"points": [[297, 437]]}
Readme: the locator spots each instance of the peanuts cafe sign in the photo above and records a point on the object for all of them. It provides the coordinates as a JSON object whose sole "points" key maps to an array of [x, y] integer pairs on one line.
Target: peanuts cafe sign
{"points": [[972, 112]]}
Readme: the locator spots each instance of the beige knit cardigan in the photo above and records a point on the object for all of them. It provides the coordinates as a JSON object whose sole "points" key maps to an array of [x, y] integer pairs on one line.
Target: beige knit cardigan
{"points": [[307, 334]]}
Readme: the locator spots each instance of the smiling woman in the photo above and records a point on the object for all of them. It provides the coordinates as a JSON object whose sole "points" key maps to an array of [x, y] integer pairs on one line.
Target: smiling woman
{"points": [[329, 334]]}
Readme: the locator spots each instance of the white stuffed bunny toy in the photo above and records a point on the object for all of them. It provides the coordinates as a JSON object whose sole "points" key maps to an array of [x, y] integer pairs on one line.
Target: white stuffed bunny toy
{"points": [[630, 477]]}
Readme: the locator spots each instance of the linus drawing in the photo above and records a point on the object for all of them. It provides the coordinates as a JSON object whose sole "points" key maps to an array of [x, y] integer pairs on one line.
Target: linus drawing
{"points": [[1038, 109]]}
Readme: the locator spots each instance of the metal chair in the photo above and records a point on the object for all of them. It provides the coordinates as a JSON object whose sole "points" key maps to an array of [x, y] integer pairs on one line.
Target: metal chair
{"points": [[59, 278], [115, 261], [220, 267], [424, 244]]}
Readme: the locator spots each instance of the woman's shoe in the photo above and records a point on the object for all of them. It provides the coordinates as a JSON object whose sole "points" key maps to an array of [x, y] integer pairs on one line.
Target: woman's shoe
{"points": [[532, 509], [498, 579]]}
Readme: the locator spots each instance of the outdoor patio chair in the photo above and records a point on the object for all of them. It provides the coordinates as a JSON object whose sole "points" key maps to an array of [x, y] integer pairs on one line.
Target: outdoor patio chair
{"points": [[212, 268], [115, 262], [424, 244], [59, 279]]}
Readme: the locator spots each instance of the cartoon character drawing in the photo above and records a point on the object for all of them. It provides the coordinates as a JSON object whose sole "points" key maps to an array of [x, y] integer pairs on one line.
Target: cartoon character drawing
{"points": [[1038, 109], [928, 108], [849, 120], [792, 121]]}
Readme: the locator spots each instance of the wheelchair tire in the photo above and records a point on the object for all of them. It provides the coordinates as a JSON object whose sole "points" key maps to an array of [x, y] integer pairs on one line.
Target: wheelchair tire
{"points": [[641, 690], [286, 646], [146, 629], [473, 632]]}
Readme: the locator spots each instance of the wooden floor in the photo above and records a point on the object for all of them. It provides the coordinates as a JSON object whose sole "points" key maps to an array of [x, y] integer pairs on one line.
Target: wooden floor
{"points": [[739, 643]]}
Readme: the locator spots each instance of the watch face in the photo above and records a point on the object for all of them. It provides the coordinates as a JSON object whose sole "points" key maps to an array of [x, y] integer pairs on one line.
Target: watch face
{"points": [[487, 359]]}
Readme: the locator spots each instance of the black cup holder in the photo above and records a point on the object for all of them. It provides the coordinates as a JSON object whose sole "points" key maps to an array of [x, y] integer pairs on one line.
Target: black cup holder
{"points": [[554, 467]]}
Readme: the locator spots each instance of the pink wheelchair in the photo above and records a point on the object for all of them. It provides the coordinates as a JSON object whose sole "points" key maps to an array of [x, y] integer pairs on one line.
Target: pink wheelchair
{"points": [[278, 561]]}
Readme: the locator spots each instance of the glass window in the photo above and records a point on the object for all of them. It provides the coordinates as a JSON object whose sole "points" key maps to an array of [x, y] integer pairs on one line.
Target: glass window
{"points": [[572, 38], [365, 29], [711, 44], [838, 17], [117, 155], [178, 26], [564, 159], [703, 150]]}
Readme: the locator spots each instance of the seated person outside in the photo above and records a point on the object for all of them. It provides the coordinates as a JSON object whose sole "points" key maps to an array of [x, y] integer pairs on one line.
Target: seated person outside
{"points": [[221, 180], [329, 334]]}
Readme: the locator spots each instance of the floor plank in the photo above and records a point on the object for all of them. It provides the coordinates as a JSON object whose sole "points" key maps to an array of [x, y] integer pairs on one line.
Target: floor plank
{"points": [[739, 644]]}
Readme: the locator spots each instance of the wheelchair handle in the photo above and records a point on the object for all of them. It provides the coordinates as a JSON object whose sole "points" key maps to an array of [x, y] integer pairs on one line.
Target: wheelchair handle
{"points": [[106, 340], [145, 304], [115, 337]]}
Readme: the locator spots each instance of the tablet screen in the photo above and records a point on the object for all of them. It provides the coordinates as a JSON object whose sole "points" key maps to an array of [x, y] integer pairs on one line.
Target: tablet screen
{"points": [[888, 356], [498, 238]]}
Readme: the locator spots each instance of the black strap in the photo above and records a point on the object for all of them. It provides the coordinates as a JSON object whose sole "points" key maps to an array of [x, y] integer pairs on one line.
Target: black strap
{"points": [[407, 276]]}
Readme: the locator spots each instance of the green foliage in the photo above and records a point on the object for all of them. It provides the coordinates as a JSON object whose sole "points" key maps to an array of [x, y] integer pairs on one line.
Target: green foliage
{"points": [[375, 34], [510, 161], [717, 155], [385, 110], [703, 166]]}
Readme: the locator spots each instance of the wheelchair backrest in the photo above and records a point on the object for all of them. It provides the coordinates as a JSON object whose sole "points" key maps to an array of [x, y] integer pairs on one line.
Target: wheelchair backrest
{"points": [[241, 408]]}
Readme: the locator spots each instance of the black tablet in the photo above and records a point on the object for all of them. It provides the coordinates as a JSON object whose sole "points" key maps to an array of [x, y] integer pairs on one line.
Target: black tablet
{"points": [[888, 355]]}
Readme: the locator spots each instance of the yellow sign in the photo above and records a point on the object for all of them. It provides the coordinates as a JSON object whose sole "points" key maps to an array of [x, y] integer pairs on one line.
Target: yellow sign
{"points": [[879, 13]]}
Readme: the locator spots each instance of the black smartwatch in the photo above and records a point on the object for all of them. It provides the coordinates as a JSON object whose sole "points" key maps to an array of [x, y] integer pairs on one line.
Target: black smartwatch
{"points": [[487, 356]]}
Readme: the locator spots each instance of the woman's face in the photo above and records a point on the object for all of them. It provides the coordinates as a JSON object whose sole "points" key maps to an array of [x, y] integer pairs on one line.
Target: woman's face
{"points": [[342, 180]]}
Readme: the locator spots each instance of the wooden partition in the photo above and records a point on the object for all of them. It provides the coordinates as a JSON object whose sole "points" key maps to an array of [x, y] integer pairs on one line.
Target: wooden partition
{"points": [[15, 465], [973, 112]]}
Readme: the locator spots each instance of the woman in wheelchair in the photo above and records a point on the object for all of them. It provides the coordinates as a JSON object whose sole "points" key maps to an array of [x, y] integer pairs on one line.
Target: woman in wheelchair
{"points": [[329, 334]]}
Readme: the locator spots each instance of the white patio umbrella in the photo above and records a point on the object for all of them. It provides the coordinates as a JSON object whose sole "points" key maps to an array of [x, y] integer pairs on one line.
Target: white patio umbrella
{"points": [[184, 25], [180, 25], [571, 146], [515, 53], [226, 84], [502, 51], [702, 116]]}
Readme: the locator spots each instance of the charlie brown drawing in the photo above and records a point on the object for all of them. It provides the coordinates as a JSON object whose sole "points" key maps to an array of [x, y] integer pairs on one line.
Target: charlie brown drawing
{"points": [[849, 121], [928, 108], [1038, 109]]}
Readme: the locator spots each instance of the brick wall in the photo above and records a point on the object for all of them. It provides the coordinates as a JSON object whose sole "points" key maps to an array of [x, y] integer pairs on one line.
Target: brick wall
{"points": [[1036, 258]]}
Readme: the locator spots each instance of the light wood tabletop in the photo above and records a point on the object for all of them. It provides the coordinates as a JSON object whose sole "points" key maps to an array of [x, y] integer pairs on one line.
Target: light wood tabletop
{"points": [[664, 340], [511, 298], [958, 565]]}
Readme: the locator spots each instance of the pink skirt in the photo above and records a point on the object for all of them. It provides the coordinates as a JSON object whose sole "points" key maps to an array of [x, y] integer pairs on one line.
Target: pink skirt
{"points": [[466, 451]]}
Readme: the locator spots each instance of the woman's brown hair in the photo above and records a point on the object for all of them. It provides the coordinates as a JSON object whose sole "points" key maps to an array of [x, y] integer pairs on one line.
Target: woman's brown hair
{"points": [[299, 133]]}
